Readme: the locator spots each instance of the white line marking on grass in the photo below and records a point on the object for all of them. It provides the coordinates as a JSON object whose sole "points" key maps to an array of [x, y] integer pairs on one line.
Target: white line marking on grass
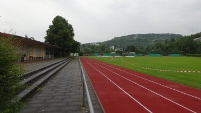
{"points": [[150, 90], [181, 71], [121, 89], [157, 83]]}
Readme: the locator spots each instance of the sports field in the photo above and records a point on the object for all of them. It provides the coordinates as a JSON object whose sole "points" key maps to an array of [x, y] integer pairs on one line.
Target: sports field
{"points": [[121, 90], [183, 70]]}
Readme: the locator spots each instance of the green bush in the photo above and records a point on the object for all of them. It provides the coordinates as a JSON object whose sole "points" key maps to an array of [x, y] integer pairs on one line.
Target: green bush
{"points": [[10, 73], [194, 55]]}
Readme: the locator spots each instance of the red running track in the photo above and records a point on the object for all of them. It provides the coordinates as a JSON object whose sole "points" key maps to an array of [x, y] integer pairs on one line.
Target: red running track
{"points": [[122, 90]]}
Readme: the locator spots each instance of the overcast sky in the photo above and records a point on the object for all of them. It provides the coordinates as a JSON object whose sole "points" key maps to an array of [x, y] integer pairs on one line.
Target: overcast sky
{"points": [[101, 20]]}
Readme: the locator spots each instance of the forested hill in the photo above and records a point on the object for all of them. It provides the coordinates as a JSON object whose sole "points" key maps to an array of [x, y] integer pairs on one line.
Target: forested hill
{"points": [[140, 40]]}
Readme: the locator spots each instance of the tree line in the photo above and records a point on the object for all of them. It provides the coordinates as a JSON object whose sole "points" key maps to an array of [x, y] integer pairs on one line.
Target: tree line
{"points": [[185, 46], [140, 40], [89, 49]]}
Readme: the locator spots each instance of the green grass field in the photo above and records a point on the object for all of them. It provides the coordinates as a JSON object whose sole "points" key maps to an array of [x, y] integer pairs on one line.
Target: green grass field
{"points": [[183, 70]]}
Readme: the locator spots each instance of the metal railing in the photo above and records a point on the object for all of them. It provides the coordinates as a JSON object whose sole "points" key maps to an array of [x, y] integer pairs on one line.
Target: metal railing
{"points": [[85, 90]]}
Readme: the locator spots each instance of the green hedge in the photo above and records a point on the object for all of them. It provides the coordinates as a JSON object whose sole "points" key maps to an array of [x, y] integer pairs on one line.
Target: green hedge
{"points": [[155, 54], [10, 73], [194, 55]]}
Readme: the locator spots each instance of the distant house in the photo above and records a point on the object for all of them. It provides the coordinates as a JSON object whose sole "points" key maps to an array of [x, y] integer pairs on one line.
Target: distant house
{"points": [[32, 49], [95, 44], [112, 48], [197, 39], [119, 49]]}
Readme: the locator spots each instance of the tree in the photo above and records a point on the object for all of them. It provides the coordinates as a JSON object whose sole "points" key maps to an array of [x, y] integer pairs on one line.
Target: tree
{"points": [[61, 34], [97, 48], [10, 74], [199, 48], [119, 52], [88, 50], [75, 47], [102, 48], [107, 50]]}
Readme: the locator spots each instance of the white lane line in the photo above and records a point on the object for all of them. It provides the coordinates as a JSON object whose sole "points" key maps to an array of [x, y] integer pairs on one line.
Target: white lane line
{"points": [[156, 83], [151, 91], [121, 88]]}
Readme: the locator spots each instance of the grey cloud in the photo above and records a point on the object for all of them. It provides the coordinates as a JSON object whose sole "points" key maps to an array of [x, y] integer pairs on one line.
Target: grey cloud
{"points": [[100, 20]]}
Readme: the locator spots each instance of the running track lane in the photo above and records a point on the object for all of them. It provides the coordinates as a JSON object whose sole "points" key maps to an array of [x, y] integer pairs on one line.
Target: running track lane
{"points": [[124, 91]]}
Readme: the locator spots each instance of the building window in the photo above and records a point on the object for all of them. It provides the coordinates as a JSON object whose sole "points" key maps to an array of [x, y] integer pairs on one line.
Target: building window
{"points": [[31, 50], [38, 51], [22, 49]]}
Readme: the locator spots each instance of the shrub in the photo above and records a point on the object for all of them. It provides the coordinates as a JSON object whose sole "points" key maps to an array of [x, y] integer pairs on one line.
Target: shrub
{"points": [[10, 73], [194, 55]]}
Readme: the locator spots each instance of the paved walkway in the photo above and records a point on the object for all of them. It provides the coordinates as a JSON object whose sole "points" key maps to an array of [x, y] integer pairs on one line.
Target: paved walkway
{"points": [[62, 93]]}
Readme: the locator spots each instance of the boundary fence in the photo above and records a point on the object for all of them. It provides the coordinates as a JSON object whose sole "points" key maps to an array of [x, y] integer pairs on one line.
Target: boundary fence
{"points": [[85, 91]]}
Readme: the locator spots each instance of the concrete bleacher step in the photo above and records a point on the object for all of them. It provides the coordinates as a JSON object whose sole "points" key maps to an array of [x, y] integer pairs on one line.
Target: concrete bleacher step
{"points": [[37, 79], [34, 77], [26, 75]]}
